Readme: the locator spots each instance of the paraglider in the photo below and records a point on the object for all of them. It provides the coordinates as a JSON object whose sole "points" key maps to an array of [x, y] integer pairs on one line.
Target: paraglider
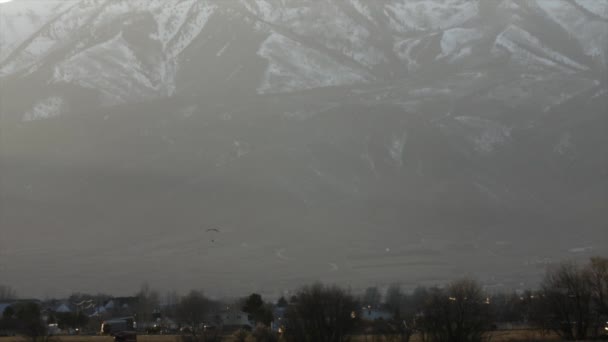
{"points": [[213, 231]]}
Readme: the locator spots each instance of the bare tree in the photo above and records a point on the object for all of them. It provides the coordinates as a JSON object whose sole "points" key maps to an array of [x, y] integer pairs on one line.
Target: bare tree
{"points": [[260, 312], [372, 297], [400, 327], [192, 309], [456, 313], [565, 301], [29, 321], [574, 299], [170, 302], [263, 333], [512, 307], [598, 277], [147, 302], [394, 300], [321, 314], [7, 293]]}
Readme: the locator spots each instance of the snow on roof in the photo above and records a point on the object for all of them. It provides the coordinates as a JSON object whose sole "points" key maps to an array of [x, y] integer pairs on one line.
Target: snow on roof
{"points": [[3, 307], [63, 308], [110, 305]]}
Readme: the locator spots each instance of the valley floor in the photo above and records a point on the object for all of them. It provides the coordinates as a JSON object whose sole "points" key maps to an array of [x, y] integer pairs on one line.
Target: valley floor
{"points": [[496, 336]]}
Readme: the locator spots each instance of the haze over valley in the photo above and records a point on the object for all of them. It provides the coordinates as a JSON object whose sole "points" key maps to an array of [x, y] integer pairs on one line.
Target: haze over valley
{"points": [[353, 142]]}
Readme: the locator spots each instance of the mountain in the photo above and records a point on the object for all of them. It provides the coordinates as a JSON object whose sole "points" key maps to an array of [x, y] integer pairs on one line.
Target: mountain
{"points": [[398, 140]]}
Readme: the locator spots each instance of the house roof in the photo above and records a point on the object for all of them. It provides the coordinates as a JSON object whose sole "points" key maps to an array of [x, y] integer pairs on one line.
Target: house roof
{"points": [[3, 307], [63, 308]]}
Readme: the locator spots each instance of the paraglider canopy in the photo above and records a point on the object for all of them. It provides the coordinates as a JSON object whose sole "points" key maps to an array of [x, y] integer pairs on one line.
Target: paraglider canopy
{"points": [[213, 231]]}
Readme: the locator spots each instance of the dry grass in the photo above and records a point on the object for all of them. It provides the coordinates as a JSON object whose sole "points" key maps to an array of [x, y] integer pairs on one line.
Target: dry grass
{"points": [[140, 338], [496, 336], [522, 336]]}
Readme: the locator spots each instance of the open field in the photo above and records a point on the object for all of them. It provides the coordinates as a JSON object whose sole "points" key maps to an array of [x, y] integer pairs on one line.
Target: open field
{"points": [[497, 336]]}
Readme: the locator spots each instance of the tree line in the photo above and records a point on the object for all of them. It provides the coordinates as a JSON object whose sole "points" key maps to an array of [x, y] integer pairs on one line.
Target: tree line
{"points": [[571, 301]]}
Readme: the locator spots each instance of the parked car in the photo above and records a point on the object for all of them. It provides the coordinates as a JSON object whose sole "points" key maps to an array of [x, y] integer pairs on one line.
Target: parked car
{"points": [[209, 327], [122, 329], [125, 336]]}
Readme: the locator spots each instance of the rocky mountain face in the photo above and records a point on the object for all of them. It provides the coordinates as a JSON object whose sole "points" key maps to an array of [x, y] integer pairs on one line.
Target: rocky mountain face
{"points": [[393, 140]]}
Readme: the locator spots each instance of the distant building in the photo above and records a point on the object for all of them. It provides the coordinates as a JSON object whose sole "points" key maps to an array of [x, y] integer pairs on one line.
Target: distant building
{"points": [[110, 305], [4, 331], [63, 308], [4, 306], [372, 314], [120, 305], [233, 319], [280, 319], [98, 312]]}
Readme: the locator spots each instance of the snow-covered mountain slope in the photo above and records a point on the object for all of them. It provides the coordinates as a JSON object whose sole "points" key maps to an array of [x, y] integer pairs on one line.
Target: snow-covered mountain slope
{"points": [[21, 22], [296, 67], [46, 108], [305, 44], [529, 51], [407, 15], [590, 34]]}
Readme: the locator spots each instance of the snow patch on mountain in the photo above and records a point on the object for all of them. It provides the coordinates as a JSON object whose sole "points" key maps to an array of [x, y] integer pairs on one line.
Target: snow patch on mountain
{"points": [[112, 11], [191, 29], [47, 108], [484, 189], [28, 57], [58, 31], [464, 52], [362, 7], [488, 134], [430, 92], [404, 50], [114, 69], [600, 93], [270, 11], [598, 7], [407, 15], [292, 67], [396, 148], [325, 24], [241, 148], [591, 34], [528, 50], [509, 5], [20, 19], [564, 143], [223, 50], [170, 18], [453, 41], [177, 22]]}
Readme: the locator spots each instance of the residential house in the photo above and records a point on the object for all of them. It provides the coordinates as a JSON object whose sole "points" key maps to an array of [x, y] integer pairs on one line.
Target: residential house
{"points": [[372, 314], [234, 319]]}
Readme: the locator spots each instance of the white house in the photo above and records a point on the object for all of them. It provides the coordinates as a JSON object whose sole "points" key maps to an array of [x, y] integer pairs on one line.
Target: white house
{"points": [[236, 318]]}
